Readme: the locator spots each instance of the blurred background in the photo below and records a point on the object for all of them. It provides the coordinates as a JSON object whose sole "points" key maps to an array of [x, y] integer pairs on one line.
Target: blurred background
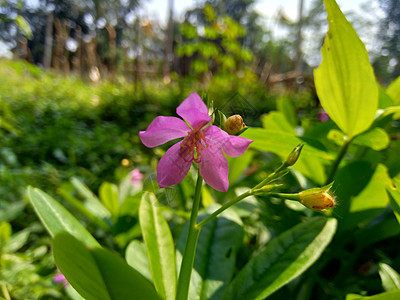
{"points": [[267, 41], [80, 79]]}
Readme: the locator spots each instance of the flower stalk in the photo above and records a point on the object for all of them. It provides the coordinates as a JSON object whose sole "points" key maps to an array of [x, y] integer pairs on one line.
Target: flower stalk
{"points": [[190, 245]]}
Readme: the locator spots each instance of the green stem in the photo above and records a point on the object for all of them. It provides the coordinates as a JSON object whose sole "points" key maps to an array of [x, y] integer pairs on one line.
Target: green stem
{"points": [[222, 208], [5, 292], [338, 159], [273, 176], [190, 246], [284, 196]]}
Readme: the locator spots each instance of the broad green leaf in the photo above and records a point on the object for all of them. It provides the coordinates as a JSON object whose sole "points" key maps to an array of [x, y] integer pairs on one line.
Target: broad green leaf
{"points": [[136, 257], [378, 231], [282, 143], [92, 203], [160, 246], [286, 107], [276, 121], [237, 165], [345, 80], [283, 259], [108, 194], [394, 196], [394, 91], [384, 99], [376, 139], [77, 204], [390, 278], [57, 219], [214, 263], [361, 193], [98, 273]]}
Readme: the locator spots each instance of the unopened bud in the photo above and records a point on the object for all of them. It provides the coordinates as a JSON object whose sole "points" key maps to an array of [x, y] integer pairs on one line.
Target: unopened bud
{"points": [[294, 155], [317, 198], [234, 124]]}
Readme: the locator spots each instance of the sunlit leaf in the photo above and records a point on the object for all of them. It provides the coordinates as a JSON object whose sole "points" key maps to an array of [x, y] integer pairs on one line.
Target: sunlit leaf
{"points": [[136, 257], [394, 91], [108, 194], [57, 219], [377, 139], [98, 273], [345, 80], [390, 278], [160, 246]]}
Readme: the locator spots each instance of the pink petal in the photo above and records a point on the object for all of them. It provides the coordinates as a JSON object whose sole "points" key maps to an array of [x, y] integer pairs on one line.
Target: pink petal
{"points": [[194, 111], [163, 129], [173, 166], [214, 168], [232, 145]]}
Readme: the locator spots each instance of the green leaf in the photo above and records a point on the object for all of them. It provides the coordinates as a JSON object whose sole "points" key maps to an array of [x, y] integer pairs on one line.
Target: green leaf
{"points": [[283, 259], [57, 219], [24, 26], [345, 80], [237, 165], [286, 107], [16, 241], [160, 246], [394, 196], [276, 121], [136, 257], [98, 273], [108, 193], [282, 143], [92, 203], [390, 278], [78, 205], [214, 263], [394, 91], [393, 295], [361, 193], [376, 139], [5, 234]]}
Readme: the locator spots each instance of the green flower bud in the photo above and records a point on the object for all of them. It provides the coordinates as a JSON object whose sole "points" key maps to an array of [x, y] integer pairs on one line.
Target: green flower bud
{"points": [[294, 155]]}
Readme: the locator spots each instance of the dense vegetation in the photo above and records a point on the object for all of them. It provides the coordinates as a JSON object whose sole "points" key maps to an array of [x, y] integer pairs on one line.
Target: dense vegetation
{"points": [[92, 182]]}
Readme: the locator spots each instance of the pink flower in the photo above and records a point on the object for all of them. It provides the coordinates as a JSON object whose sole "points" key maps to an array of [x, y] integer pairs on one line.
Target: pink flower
{"points": [[60, 278], [323, 116], [202, 144], [136, 177]]}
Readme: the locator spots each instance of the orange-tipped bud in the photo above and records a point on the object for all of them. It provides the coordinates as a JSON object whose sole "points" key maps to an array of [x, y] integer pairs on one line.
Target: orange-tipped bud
{"points": [[317, 198], [234, 124]]}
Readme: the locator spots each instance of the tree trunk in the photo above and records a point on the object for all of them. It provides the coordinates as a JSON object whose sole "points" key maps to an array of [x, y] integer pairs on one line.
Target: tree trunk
{"points": [[299, 40], [48, 43], [168, 53], [112, 43]]}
